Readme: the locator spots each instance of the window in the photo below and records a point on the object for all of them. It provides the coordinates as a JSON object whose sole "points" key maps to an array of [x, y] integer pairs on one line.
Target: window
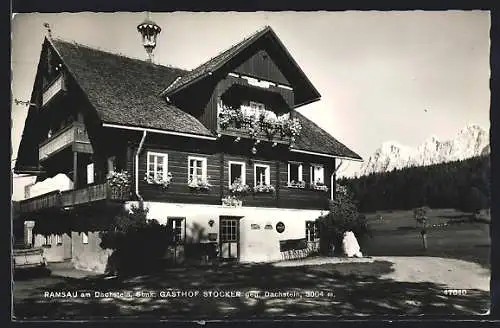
{"points": [[58, 239], [229, 230], [157, 166], [311, 231], [262, 175], [90, 173], [47, 240], [317, 174], [294, 174], [85, 238], [178, 229], [197, 168], [236, 170]]}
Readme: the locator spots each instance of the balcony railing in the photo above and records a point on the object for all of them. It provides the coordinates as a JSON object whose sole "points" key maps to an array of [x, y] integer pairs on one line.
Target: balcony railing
{"points": [[70, 198], [73, 135], [56, 87], [261, 125]]}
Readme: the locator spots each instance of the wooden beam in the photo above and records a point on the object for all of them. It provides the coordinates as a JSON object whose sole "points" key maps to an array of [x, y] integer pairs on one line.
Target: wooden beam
{"points": [[75, 169]]}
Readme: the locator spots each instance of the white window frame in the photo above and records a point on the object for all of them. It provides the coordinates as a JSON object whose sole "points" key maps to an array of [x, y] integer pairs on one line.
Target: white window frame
{"points": [[59, 240], [243, 171], [173, 222], [90, 173], [268, 173], [155, 170], [314, 233], [301, 177], [203, 167], [85, 238], [313, 166]]}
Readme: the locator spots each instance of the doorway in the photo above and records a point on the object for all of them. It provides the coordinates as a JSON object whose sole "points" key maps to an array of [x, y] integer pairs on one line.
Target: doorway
{"points": [[229, 244]]}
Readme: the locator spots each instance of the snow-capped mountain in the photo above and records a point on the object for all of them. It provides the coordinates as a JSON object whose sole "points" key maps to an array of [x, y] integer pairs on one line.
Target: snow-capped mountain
{"points": [[469, 142]]}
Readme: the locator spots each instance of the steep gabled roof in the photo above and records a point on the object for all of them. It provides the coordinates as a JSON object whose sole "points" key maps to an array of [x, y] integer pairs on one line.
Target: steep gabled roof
{"points": [[223, 58], [125, 90]]}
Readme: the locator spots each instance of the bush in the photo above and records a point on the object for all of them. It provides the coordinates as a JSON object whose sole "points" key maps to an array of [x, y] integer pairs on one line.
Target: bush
{"points": [[472, 200], [139, 245], [343, 216]]}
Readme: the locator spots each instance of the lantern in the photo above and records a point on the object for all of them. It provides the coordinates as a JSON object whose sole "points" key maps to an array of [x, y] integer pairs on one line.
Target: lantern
{"points": [[149, 31]]}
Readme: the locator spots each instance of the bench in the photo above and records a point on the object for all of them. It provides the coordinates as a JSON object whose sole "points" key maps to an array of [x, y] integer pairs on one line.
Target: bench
{"points": [[294, 248]]}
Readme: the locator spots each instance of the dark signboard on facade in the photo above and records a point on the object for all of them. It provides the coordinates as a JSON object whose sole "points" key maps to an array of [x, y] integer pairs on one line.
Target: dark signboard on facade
{"points": [[280, 227]]}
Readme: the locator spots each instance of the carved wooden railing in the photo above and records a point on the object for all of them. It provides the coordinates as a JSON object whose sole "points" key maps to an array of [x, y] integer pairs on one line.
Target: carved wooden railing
{"points": [[53, 89], [73, 133], [69, 198]]}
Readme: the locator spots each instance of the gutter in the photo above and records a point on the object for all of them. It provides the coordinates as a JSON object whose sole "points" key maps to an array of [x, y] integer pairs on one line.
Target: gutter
{"points": [[141, 200], [181, 134], [326, 155]]}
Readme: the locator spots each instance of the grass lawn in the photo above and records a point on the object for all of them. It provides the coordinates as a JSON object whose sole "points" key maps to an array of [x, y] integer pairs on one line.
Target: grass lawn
{"points": [[449, 235], [348, 289]]}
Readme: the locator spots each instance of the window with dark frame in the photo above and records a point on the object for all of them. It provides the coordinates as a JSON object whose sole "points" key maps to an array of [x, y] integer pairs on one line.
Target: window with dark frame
{"points": [[229, 231], [236, 171]]}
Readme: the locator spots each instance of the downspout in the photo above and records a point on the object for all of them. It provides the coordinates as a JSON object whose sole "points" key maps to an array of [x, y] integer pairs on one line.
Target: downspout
{"points": [[141, 200]]}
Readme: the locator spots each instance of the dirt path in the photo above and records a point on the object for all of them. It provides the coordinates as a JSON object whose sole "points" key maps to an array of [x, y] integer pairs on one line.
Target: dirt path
{"points": [[456, 274]]}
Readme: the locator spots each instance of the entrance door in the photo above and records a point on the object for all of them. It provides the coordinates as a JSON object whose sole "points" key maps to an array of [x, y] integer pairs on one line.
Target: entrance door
{"points": [[229, 231]]}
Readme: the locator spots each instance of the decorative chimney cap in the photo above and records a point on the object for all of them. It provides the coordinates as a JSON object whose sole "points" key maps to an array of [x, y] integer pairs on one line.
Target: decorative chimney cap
{"points": [[148, 24]]}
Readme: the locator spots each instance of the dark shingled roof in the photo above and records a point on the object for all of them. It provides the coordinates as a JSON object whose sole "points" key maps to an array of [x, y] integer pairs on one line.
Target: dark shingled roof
{"points": [[125, 90], [313, 138]]}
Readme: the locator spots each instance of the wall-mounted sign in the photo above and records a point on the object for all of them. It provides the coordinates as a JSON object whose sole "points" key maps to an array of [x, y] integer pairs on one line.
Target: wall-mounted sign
{"points": [[212, 236], [268, 227], [280, 227], [254, 226]]}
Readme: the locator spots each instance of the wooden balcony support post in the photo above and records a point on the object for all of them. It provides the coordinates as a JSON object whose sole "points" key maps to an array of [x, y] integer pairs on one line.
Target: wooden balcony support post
{"points": [[75, 174]]}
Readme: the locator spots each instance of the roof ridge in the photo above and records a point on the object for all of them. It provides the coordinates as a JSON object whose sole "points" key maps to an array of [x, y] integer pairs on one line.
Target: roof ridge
{"points": [[95, 48]]}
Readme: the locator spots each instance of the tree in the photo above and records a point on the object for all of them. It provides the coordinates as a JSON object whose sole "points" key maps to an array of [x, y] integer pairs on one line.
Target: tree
{"points": [[472, 200], [343, 216], [139, 244]]}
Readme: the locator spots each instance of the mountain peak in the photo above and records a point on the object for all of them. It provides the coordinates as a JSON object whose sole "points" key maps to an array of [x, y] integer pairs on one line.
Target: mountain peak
{"points": [[470, 141]]}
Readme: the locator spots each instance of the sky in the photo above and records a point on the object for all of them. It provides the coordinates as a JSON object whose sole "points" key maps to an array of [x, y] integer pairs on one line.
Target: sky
{"points": [[399, 76]]}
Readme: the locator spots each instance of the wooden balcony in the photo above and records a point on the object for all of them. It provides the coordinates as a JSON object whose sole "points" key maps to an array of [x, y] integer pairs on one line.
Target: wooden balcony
{"points": [[53, 89], [74, 135], [71, 198], [242, 132]]}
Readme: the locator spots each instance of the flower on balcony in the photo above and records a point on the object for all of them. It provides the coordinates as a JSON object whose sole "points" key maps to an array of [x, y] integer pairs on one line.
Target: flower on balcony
{"points": [[232, 201], [296, 184], [159, 179], [264, 122], [238, 188], [262, 188], [319, 186], [199, 183], [119, 179]]}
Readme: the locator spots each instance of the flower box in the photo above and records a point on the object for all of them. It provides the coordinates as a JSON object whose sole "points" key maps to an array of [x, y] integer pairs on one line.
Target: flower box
{"points": [[238, 188], [263, 189], [199, 184], [319, 186], [231, 201], [159, 179], [261, 124], [296, 184]]}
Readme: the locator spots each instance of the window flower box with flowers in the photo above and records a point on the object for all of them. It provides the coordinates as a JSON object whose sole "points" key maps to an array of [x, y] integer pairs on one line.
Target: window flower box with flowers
{"points": [[319, 186], [263, 189], [287, 128], [159, 179], [232, 201], [238, 188], [199, 184], [119, 184], [296, 184]]}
